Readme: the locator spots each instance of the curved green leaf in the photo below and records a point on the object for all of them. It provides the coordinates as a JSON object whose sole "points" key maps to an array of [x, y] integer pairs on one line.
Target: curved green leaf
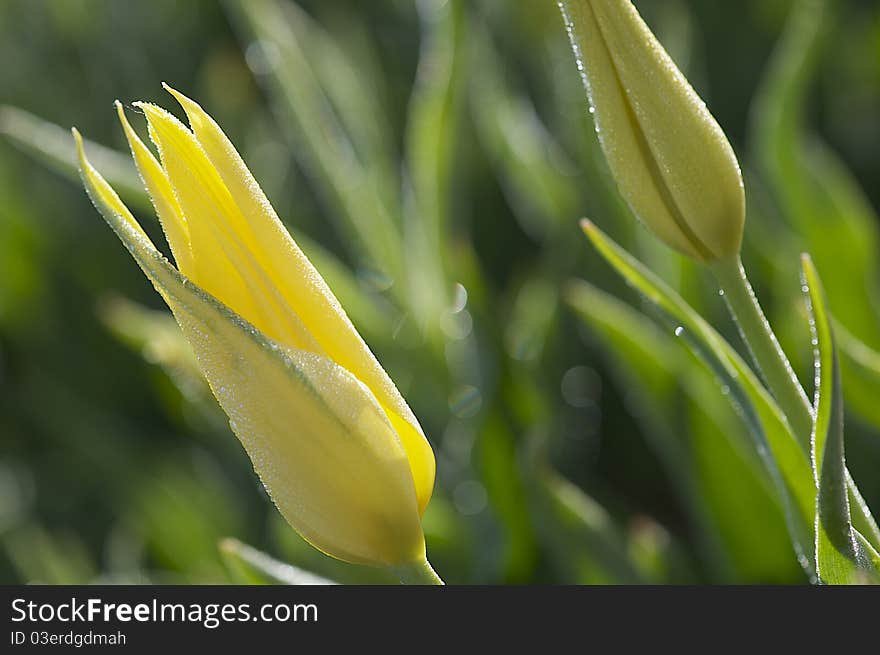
{"points": [[714, 467], [248, 565], [860, 371], [51, 144], [581, 533], [819, 198], [532, 167], [783, 456], [324, 142], [841, 558]]}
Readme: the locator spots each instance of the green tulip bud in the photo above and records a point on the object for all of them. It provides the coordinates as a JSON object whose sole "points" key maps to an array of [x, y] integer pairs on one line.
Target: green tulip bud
{"points": [[670, 158]]}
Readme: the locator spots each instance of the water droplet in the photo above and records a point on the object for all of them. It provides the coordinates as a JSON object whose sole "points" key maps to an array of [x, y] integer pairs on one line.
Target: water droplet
{"points": [[459, 298], [720, 292], [679, 331], [592, 109]]}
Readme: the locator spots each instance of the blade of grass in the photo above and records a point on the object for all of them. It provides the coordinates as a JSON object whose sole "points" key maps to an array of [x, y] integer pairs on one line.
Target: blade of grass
{"points": [[817, 195], [350, 74], [698, 453], [860, 370], [584, 538], [783, 456], [533, 169], [247, 565], [51, 144], [431, 142], [839, 553], [322, 142], [503, 479]]}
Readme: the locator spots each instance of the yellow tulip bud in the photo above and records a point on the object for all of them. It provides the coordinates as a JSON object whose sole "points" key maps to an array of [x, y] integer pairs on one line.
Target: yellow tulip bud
{"points": [[332, 439], [669, 156]]}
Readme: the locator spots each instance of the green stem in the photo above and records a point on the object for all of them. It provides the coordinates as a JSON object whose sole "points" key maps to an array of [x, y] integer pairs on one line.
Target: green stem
{"points": [[766, 352], [418, 572]]}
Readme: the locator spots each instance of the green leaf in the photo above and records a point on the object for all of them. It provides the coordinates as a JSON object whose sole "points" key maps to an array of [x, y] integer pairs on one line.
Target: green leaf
{"points": [[247, 565], [741, 497], [532, 319], [153, 333], [179, 512], [714, 467], [435, 112], [43, 557], [783, 456], [323, 142], [350, 73], [580, 533], [841, 557], [432, 130], [860, 370], [52, 145], [828, 213], [535, 173], [503, 479], [647, 370]]}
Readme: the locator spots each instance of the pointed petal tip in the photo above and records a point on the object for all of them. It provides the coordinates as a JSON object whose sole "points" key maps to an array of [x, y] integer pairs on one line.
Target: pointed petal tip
{"points": [[194, 111], [77, 138], [123, 119], [147, 107], [180, 97], [156, 115]]}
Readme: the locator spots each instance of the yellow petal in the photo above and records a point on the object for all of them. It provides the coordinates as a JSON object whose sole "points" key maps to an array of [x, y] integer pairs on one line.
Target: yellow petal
{"points": [[226, 263], [304, 289], [317, 437], [159, 188]]}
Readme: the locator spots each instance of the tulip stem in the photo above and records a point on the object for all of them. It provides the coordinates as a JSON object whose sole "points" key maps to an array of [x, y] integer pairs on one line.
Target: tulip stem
{"points": [[418, 572], [767, 354]]}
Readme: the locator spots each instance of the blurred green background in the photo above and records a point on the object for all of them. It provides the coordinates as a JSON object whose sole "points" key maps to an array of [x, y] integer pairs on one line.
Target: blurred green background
{"points": [[433, 158]]}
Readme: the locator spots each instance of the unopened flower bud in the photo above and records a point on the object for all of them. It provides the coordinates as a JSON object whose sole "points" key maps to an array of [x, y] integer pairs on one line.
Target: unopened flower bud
{"points": [[670, 158]]}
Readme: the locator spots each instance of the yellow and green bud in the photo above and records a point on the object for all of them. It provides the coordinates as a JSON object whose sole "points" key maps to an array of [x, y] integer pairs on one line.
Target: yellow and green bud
{"points": [[670, 158], [329, 434]]}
